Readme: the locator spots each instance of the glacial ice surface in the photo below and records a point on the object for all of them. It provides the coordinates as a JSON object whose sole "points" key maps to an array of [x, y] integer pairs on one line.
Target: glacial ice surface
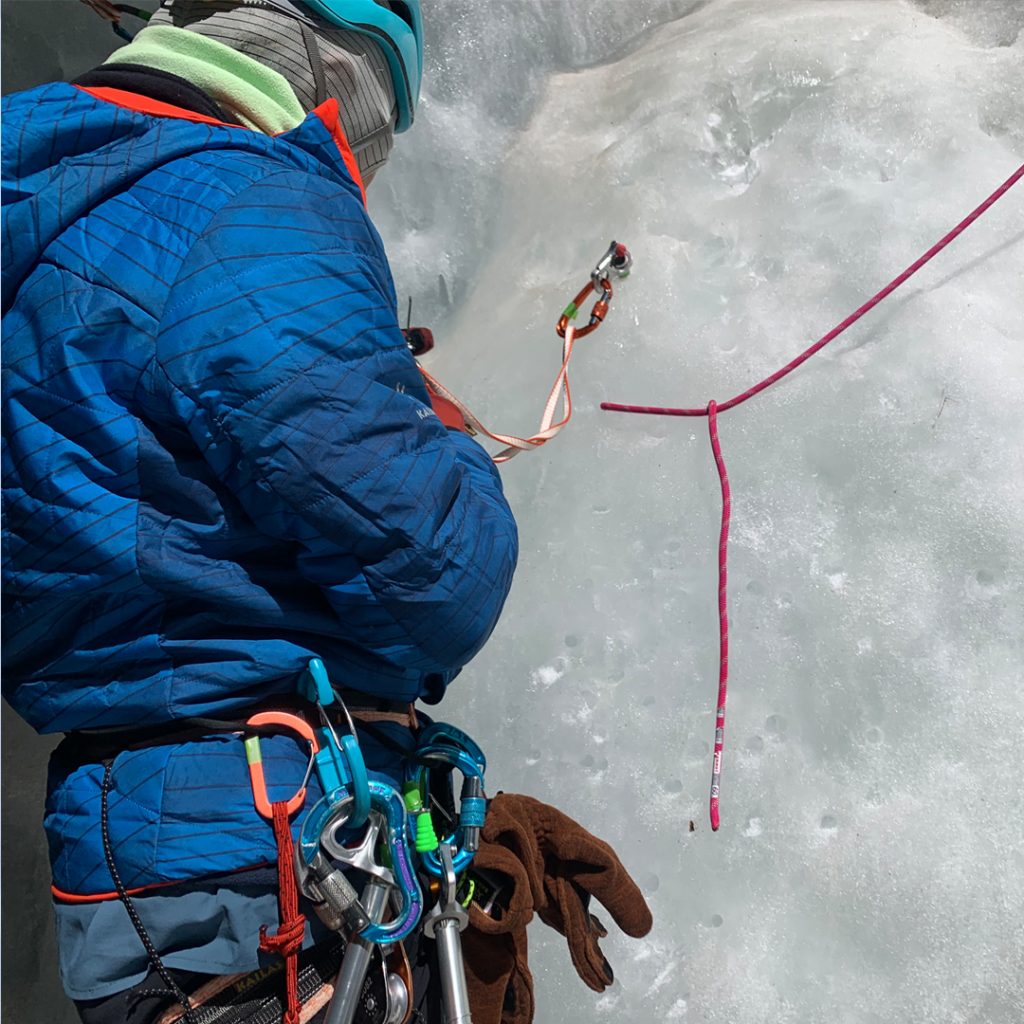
{"points": [[770, 166]]}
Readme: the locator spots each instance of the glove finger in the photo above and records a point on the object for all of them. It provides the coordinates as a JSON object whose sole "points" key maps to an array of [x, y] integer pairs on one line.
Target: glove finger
{"points": [[620, 896], [566, 847], [510, 824], [518, 911], [587, 958], [490, 963], [519, 1003]]}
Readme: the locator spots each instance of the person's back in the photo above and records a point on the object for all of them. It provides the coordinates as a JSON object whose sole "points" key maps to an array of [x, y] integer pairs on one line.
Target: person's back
{"points": [[220, 462]]}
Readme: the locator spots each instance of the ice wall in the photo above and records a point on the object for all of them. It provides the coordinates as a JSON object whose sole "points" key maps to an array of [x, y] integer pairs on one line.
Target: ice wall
{"points": [[771, 165]]}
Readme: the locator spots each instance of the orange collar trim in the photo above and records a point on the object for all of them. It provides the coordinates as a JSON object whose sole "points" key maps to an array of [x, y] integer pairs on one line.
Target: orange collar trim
{"points": [[327, 112], [144, 105]]}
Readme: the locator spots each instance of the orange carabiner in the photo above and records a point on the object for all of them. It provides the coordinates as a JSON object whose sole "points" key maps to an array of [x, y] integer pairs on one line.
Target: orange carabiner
{"points": [[616, 260], [597, 314], [254, 757]]}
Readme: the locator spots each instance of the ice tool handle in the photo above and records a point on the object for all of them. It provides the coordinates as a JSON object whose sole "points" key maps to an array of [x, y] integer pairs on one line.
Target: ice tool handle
{"points": [[339, 761], [333, 812], [443, 745], [444, 924]]}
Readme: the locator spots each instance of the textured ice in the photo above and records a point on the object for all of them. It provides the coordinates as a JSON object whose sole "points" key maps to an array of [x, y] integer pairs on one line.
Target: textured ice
{"points": [[770, 165]]}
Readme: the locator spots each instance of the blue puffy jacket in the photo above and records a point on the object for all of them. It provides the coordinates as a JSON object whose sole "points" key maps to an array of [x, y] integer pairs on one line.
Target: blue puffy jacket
{"points": [[219, 460]]}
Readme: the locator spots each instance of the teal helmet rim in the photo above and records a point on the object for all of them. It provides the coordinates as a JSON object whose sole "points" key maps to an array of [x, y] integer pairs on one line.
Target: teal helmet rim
{"points": [[399, 35]]}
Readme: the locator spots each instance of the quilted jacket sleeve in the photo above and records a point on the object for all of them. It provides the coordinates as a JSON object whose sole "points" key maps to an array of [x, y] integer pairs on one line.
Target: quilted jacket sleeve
{"points": [[282, 353]]}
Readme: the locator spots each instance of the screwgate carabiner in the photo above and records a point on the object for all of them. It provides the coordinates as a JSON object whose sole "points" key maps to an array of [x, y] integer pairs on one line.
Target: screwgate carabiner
{"points": [[444, 745], [616, 260], [334, 811]]}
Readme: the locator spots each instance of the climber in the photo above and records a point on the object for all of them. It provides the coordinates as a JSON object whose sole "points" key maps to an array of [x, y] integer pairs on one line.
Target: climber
{"points": [[220, 462]]}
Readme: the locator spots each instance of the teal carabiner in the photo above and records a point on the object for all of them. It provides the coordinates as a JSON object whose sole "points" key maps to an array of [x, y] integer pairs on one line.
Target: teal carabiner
{"points": [[444, 746], [339, 761], [316, 843]]}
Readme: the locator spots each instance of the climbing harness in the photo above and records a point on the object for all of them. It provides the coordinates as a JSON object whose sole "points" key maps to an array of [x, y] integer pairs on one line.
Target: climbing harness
{"points": [[391, 841], [615, 262], [350, 800], [713, 409], [255, 997]]}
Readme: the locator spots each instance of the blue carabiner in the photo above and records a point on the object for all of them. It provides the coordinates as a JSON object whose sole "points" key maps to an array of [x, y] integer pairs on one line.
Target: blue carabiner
{"points": [[339, 762], [385, 799], [442, 732], [445, 745]]}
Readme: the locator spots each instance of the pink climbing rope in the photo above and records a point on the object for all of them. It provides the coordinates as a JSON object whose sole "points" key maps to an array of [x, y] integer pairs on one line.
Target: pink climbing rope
{"points": [[713, 409], [723, 612]]}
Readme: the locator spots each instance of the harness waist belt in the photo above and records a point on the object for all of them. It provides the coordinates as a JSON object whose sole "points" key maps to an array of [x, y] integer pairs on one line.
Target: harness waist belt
{"points": [[94, 746]]}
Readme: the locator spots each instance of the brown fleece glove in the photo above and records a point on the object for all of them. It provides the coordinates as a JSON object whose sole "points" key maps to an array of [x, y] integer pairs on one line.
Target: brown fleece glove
{"points": [[554, 867]]}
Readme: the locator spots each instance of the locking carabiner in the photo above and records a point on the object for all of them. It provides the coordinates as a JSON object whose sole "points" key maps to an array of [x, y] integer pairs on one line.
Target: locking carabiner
{"points": [[339, 760], [616, 260], [443, 745], [332, 813]]}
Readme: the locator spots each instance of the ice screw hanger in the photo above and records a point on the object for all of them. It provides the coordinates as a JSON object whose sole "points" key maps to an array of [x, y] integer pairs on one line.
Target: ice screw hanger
{"points": [[616, 260]]}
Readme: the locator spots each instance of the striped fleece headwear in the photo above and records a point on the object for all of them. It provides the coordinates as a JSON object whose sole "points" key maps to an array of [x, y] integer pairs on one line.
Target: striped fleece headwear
{"points": [[352, 68]]}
